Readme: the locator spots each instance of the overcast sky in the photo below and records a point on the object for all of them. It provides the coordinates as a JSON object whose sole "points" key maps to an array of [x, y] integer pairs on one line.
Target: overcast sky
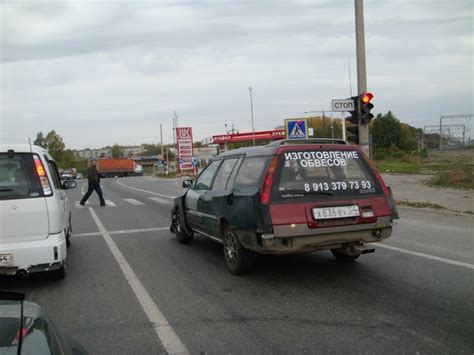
{"points": [[105, 72]]}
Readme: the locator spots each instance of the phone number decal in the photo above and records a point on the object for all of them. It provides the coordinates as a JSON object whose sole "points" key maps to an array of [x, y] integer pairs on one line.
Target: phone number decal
{"points": [[338, 186]]}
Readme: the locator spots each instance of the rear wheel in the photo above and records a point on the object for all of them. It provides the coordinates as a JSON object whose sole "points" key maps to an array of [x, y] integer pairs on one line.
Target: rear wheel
{"points": [[344, 257], [237, 259], [181, 234]]}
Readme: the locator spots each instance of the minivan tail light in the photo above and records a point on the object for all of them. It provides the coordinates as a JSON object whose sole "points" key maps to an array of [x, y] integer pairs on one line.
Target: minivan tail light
{"points": [[266, 188], [42, 175]]}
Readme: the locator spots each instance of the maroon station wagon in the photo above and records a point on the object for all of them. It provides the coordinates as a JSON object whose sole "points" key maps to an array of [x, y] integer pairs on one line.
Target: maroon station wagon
{"points": [[287, 197]]}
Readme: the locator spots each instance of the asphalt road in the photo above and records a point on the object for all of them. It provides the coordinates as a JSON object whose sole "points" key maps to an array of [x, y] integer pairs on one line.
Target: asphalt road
{"points": [[132, 288]]}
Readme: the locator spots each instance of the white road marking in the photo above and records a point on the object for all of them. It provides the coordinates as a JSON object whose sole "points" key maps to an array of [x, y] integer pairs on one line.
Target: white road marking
{"points": [[83, 189], [134, 202], [78, 205], [427, 256], [170, 340], [125, 231], [109, 203], [137, 189], [159, 200]]}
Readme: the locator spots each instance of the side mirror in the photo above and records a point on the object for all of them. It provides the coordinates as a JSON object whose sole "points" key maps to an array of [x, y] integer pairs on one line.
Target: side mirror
{"points": [[69, 184], [187, 183]]}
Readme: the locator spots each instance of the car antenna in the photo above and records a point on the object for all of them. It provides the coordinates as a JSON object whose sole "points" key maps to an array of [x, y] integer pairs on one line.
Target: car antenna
{"points": [[29, 142]]}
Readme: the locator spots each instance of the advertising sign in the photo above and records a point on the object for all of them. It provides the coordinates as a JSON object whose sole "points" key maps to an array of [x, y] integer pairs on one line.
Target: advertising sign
{"points": [[184, 139]]}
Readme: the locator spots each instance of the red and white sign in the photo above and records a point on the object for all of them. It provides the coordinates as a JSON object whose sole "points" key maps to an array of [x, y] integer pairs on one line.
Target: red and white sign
{"points": [[184, 138], [249, 136]]}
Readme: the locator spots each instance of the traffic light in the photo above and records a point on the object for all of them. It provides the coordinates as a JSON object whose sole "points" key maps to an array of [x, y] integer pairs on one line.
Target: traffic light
{"points": [[365, 107], [353, 129], [353, 134]]}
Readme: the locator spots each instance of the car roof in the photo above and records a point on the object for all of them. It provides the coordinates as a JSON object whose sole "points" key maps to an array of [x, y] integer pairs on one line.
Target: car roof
{"points": [[275, 146], [24, 148]]}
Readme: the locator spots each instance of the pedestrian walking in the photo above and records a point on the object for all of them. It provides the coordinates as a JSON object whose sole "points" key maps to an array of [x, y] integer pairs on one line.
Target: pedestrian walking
{"points": [[94, 183]]}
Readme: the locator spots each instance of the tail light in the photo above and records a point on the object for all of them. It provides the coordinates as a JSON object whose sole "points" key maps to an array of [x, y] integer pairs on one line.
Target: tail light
{"points": [[42, 176], [266, 189]]}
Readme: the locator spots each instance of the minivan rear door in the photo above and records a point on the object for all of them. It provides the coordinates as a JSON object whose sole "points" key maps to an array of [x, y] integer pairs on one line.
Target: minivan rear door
{"points": [[23, 210]]}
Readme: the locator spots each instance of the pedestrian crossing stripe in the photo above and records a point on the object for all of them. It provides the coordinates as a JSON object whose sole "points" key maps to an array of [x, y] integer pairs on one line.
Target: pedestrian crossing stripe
{"points": [[134, 202], [110, 203], [159, 200]]}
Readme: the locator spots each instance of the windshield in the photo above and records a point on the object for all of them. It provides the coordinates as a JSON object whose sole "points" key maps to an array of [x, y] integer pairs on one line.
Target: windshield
{"points": [[335, 173]]}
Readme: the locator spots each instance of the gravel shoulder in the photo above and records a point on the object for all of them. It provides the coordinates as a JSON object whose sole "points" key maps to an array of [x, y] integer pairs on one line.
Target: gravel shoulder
{"points": [[411, 190]]}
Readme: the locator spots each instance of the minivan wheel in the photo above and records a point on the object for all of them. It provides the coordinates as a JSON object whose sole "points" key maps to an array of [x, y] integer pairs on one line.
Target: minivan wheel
{"points": [[344, 257], [181, 234], [237, 259]]}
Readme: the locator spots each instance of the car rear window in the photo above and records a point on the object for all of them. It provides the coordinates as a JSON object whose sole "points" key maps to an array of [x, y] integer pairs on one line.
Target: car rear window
{"points": [[18, 178], [326, 173]]}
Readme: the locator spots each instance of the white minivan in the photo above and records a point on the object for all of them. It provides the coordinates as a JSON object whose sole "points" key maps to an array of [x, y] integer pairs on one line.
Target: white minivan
{"points": [[35, 215]]}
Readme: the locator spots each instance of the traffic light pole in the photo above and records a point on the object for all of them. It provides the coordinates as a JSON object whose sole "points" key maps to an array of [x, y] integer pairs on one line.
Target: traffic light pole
{"points": [[361, 72]]}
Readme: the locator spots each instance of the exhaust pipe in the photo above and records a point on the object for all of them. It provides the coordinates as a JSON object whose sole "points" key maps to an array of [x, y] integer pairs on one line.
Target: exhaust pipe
{"points": [[368, 250]]}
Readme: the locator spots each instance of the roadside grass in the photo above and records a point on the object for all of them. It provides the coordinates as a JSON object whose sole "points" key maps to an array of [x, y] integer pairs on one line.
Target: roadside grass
{"points": [[460, 176], [397, 166], [449, 169]]}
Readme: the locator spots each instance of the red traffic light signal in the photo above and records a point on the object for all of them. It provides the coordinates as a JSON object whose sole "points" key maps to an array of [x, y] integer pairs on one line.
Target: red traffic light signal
{"points": [[366, 107], [365, 98]]}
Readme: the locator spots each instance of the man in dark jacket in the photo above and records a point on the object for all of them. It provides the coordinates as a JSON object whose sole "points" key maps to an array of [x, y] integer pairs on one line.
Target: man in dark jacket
{"points": [[94, 184]]}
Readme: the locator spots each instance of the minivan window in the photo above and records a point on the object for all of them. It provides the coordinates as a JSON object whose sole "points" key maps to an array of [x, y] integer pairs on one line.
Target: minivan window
{"points": [[327, 173], [220, 182], [205, 179], [54, 172], [18, 178], [250, 171]]}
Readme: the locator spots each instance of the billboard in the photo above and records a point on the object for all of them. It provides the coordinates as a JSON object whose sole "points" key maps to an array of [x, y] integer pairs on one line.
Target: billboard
{"points": [[184, 139]]}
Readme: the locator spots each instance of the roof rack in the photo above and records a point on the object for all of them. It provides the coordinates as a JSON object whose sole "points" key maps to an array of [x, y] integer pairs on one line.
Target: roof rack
{"points": [[307, 141]]}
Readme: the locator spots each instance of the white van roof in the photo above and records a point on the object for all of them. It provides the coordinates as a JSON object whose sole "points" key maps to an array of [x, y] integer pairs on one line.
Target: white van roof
{"points": [[24, 148]]}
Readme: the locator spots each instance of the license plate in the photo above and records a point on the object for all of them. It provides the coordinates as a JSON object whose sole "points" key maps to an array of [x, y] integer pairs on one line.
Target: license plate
{"points": [[5, 259], [336, 212]]}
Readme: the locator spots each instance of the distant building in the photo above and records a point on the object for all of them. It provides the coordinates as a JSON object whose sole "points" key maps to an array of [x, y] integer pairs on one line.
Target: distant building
{"points": [[94, 153], [132, 151]]}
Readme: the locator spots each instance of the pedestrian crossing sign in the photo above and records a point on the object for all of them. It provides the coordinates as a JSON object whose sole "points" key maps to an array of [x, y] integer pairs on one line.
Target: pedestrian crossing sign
{"points": [[296, 128]]}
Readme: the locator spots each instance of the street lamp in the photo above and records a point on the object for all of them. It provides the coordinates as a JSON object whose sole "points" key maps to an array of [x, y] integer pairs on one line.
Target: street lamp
{"points": [[251, 113]]}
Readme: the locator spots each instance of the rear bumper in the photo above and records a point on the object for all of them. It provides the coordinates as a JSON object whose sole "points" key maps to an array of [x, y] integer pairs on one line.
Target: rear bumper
{"points": [[35, 256], [291, 239]]}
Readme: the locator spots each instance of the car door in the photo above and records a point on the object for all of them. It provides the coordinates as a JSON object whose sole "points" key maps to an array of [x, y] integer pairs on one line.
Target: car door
{"points": [[194, 196], [219, 197]]}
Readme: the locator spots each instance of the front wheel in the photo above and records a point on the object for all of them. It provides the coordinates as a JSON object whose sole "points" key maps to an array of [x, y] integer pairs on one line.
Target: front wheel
{"points": [[237, 259], [181, 234]]}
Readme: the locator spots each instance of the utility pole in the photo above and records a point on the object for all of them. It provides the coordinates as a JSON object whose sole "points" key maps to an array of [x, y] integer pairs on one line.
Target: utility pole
{"points": [[161, 137], [361, 71], [251, 113]]}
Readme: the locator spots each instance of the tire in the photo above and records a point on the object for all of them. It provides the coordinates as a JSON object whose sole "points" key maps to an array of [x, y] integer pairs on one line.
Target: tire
{"points": [[344, 257], [237, 259], [68, 233], [181, 234]]}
